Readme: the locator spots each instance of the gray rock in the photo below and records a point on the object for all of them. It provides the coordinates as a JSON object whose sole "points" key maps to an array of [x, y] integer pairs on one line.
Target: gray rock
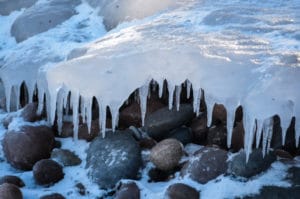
{"points": [[24, 148], [8, 6], [47, 172], [10, 191], [112, 158], [255, 165], [29, 112], [182, 134], [159, 123], [181, 191], [128, 191], [273, 192], [42, 17], [12, 180], [65, 157], [199, 129], [166, 154], [207, 164]]}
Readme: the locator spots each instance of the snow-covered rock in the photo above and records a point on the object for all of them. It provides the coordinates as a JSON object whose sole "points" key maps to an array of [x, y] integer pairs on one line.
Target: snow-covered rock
{"points": [[8, 6]]}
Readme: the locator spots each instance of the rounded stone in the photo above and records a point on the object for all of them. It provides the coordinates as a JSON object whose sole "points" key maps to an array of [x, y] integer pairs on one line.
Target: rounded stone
{"points": [[47, 172], [181, 191], [12, 180], [10, 191]]}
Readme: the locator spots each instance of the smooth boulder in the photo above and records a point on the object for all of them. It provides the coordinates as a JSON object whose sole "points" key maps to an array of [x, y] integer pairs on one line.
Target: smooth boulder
{"points": [[181, 191], [65, 157], [12, 180], [128, 191], [47, 172], [10, 191]]}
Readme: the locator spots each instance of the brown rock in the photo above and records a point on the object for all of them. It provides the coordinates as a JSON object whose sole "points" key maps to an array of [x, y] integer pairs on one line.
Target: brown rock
{"points": [[199, 129], [217, 135], [219, 114], [181, 191], [12, 180], [128, 191], [29, 112], [10, 191], [283, 154], [237, 141], [47, 172], [24, 148], [166, 154]]}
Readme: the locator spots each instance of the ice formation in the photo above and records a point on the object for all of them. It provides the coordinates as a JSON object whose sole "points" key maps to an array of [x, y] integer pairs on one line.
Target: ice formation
{"points": [[239, 53]]}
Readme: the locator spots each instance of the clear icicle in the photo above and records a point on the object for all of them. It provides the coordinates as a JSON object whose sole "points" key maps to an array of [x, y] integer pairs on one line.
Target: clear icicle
{"points": [[196, 100], [75, 101], [17, 93], [284, 128], [177, 94], [160, 88], [59, 111], [89, 113], [171, 89], [41, 94], [230, 123], [102, 118], [259, 129], [8, 97], [82, 109], [188, 89], [209, 108], [115, 117], [249, 134], [143, 92], [51, 106], [267, 135]]}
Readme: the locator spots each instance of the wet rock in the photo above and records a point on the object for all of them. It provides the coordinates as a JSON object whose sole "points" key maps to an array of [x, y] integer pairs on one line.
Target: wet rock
{"points": [[65, 157], [217, 135], [30, 144], [199, 129], [131, 115], [47, 172], [181, 191], [8, 6], [159, 123], [128, 191], [166, 154], [273, 192], [12, 180], [237, 141], [29, 112], [255, 165], [42, 17], [80, 188], [182, 134], [53, 196], [10, 191], [207, 164], [115, 157]]}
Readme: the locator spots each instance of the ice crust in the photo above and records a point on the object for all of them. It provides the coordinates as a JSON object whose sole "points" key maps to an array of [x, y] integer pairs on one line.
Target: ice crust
{"points": [[239, 53]]}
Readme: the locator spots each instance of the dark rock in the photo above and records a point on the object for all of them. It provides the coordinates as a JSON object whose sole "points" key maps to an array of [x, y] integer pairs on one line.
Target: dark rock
{"points": [[10, 191], [29, 112], [207, 164], [181, 191], [8, 6], [147, 143], [46, 172], [12, 180], [217, 135], [283, 154], [219, 115], [159, 123], [157, 175], [294, 176], [7, 120], [182, 134], [80, 188], [115, 157], [65, 157], [24, 148], [199, 129], [42, 17], [53, 196], [255, 165], [166, 154], [128, 191], [237, 141], [273, 192], [131, 115]]}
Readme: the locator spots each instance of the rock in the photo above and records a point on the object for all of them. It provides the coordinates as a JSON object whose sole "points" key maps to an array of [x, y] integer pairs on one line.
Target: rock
{"points": [[42, 17], [273, 192], [199, 129], [159, 123], [115, 157], [283, 154], [147, 143], [219, 115], [8, 6], [65, 157], [30, 144], [131, 115], [217, 135], [29, 112], [237, 140], [80, 188], [294, 176], [12, 180], [128, 191], [207, 164], [166, 154], [47, 172], [182, 134], [255, 165], [8, 119], [10, 191], [181, 191], [158, 175], [53, 196]]}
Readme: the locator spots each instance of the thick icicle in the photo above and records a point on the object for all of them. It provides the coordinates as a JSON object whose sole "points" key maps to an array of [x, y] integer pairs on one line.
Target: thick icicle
{"points": [[89, 113], [82, 109], [75, 101], [51, 106], [59, 111], [17, 93], [209, 108], [41, 93], [177, 93], [160, 88], [8, 97], [249, 124], [143, 92], [259, 129], [114, 109], [171, 88], [102, 117], [267, 135], [230, 123], [188, 89], [196, 100]]}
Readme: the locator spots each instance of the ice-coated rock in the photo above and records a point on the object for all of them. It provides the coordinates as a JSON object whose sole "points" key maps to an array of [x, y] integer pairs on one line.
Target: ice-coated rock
{"points": [[8, 6], [65, 157], [42, 17]]}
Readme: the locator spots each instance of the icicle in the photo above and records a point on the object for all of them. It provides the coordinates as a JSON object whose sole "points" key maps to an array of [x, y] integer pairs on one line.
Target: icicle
{"points": [[30, 88], [230, 123], [196, 100], [188, 89], [259, 129], [115, 116], [75, 101], [143, 91], [209, 108], [267, 135], [297, 132], [51, 106], [89, 113], [8, 97], [59, 111], [177, 93], [83, 109], [102, 117], [160, 88], [41, 94], [17, 93], [249, 134], [171, 89]]}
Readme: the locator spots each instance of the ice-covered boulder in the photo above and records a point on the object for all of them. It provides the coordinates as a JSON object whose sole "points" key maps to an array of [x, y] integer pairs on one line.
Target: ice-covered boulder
{"points": [[42, 17], [8, 6]]}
